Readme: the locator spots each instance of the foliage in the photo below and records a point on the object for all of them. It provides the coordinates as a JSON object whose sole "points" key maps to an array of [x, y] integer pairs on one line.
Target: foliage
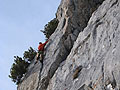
{"points": [[50, 28], [30, 54], [19, 68]]}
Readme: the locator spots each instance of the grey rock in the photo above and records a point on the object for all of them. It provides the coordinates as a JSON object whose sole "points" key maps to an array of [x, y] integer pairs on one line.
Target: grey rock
{"points": [[31, 78], [84, 87], [97, 51], [73, 20], [91, 44]]}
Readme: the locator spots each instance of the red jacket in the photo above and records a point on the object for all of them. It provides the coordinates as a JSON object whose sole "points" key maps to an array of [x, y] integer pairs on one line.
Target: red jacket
{"points": [[41, 46]]}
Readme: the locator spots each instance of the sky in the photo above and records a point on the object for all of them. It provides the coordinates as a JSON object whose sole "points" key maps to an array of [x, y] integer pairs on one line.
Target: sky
{"points": [[20, 25]]}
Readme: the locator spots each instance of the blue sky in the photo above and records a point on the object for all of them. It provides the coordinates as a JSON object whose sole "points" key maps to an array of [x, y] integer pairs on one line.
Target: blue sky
{"points": [[20, 25]]}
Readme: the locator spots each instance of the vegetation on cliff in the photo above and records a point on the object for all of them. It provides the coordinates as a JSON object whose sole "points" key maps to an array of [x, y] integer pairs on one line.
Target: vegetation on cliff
{"points": [[20, 65], [29, 55], [50, 28]]}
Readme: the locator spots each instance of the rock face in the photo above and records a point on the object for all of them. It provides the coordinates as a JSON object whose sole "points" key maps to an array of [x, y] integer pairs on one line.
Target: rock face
{"points": [[82, 54]]}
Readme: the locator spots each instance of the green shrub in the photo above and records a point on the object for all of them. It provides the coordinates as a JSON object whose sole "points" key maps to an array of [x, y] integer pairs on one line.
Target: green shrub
{"points": [[19, 68], [50, 28], [30, 54]]}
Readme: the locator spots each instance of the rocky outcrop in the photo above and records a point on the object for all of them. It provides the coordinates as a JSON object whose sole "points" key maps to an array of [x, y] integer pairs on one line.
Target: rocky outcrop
{"points": [[73, 16], [89, 63], [31, 78], [96, 51]]}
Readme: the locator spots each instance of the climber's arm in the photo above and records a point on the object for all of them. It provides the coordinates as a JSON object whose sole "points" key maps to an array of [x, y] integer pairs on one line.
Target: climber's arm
{"points": [[46, 42]]}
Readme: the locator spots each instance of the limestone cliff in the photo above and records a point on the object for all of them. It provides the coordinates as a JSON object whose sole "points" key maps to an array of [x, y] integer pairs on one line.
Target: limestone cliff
{"points": [[83, 53]]}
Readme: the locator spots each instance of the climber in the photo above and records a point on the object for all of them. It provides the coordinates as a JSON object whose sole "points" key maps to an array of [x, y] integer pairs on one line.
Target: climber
{"points": [[41, 51]]}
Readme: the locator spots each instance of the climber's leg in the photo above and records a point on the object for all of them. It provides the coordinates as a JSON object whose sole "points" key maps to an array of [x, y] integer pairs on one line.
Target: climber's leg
{"points": [[37, 57], [41, 56]]}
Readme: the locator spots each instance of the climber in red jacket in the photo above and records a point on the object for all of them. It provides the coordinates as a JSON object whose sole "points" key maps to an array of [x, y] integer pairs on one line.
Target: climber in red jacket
{"points": [[41, 51], [41, 46]]}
